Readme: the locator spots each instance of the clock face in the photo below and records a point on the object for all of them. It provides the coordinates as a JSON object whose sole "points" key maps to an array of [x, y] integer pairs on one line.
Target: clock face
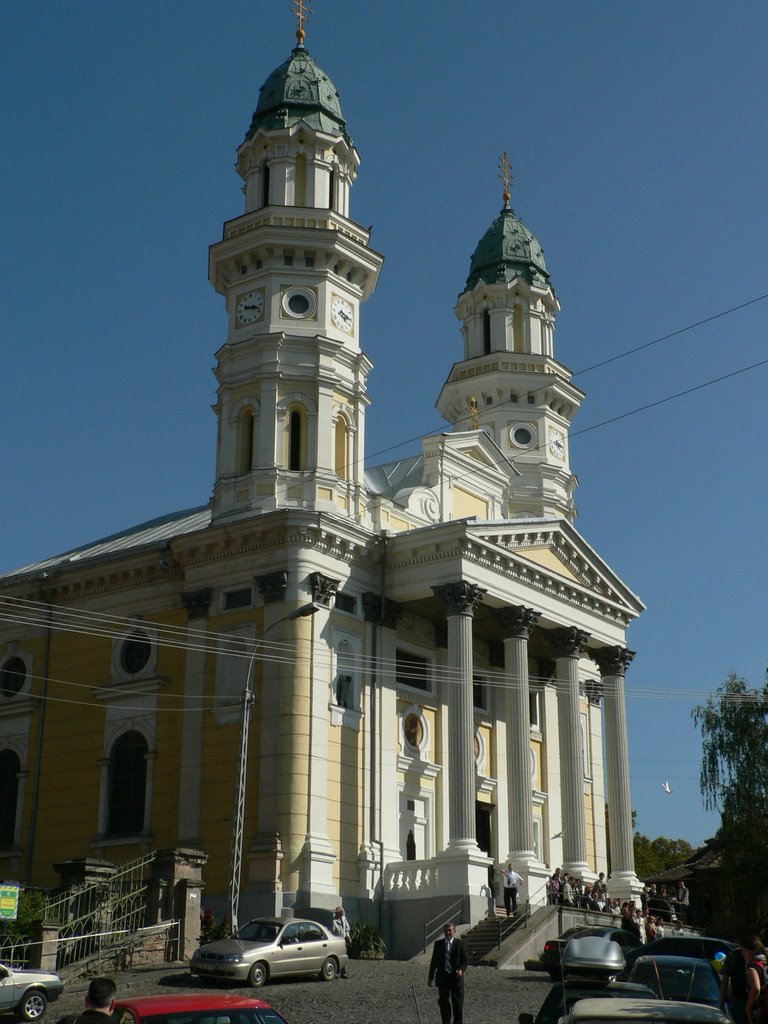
{"points": [[556, 444], [342, 314], [250, 307]]}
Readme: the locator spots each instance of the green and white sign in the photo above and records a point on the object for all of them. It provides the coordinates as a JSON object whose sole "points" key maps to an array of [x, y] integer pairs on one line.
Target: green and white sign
{"points": [[9, 902]]}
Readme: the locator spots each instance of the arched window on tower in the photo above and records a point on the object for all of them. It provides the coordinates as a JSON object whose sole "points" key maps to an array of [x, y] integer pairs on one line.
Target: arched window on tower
{"points": [[245, 439], [300, 187], [265, 184], [296, 439], [341, 452], [486, 332], [127, 784], [9, 796], [332, 190]]}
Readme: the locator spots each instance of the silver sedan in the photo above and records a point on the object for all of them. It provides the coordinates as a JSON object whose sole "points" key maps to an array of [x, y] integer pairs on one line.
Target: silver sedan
{"points": [[270, 948]]}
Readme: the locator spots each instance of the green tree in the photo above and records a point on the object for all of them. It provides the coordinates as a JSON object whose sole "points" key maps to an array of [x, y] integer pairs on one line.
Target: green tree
{"points": [[734, 781], [652, 856]]}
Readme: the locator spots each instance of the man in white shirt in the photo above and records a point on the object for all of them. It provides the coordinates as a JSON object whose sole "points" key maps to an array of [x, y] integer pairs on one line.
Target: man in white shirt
{"points": [[511, 882]]}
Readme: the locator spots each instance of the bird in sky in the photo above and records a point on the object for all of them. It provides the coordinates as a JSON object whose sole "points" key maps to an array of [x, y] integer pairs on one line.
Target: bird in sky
{"points": [[666, 787]]}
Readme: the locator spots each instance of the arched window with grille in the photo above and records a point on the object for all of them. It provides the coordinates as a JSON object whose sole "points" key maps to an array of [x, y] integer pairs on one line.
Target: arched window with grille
{"points": [[245, 436], [9, 796], [296, 438], [127, 784]]}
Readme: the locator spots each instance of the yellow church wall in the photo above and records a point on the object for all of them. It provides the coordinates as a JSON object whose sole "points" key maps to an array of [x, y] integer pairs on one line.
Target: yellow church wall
{"points": [[466, 504], [538, 751], [546, 558], [589, 825], [344, 803]]}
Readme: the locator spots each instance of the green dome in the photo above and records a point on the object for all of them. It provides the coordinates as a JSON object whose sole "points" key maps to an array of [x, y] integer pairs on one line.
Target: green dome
{"points": [[507, 250], [298, 91]]}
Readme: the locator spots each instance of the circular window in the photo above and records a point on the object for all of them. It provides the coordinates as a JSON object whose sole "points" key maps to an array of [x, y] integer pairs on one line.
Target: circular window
{"points": [[413, 730], [299, 302], [13, 675], [134, 654], [523, 435]]}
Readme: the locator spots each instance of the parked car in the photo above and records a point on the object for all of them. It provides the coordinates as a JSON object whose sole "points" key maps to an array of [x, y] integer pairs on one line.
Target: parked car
{"points": [[700, 947], [654, 1011], [678, 977], [195, 1009], [589, 965], [26, 991], [272, 947], [553, 948]]}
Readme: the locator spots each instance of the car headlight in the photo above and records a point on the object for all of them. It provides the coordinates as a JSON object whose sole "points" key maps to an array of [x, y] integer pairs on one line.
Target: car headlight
{"points": [[233, 958]]}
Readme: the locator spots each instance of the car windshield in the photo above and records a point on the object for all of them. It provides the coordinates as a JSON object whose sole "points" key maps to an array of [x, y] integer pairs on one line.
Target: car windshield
{"points": [[689, 984], [265, 1015], [258, 931]]}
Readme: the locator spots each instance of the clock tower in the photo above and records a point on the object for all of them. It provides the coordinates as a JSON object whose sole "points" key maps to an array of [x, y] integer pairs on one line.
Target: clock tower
{"points": [[294, 271], [509, 384]]}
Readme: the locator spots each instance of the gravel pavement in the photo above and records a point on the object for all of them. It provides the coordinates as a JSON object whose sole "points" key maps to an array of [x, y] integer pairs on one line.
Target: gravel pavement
{"points": [[374, 991]]}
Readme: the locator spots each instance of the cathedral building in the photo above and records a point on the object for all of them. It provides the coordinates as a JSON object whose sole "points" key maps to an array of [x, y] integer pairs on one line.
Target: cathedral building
{"points": [[432, 655]]}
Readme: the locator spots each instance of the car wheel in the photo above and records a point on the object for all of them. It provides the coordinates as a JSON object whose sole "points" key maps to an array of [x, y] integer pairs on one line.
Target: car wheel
{"points": [[329, 969], [258, 975], [33, 1005]]}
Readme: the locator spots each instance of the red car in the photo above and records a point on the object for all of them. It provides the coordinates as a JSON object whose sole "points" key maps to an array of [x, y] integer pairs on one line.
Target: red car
{"points": [[195, 1009]]}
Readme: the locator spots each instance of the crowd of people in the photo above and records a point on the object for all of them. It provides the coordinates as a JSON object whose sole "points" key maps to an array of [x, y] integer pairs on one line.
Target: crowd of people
{"points": [[659, 908]]}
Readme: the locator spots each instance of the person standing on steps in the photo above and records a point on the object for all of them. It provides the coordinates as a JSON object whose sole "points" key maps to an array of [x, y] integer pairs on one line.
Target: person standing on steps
{"points": [[511, 883]]}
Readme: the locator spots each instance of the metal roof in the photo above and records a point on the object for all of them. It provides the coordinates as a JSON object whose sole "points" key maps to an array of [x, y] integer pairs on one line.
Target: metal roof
{"points": [[145, 534]]}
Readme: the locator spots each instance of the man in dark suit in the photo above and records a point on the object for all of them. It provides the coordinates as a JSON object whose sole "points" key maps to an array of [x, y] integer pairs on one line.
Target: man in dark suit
{"points": [[449, 962]]}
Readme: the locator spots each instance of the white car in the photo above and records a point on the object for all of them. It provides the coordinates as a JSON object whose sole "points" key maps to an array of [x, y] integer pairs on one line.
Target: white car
{"points": [[26, 991], [270, 947]]}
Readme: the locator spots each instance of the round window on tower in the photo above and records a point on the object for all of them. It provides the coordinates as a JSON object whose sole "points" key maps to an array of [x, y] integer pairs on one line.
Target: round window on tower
{"points": [[523, 435], [299, 303]]}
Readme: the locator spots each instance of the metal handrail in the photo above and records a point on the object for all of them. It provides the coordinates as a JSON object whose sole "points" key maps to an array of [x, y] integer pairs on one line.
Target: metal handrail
{"points": [[506, 926], [443, 916]]}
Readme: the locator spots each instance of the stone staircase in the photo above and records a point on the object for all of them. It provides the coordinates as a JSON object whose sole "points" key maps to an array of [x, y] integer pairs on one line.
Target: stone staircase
{"points": [[490, 933]]}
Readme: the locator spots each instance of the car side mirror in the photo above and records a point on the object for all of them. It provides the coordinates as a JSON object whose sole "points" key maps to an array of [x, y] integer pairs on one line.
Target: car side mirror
{"points": [[525, 1018]]}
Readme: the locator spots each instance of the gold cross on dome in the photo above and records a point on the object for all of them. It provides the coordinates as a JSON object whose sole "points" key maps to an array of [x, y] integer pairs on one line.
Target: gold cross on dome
{"points": [[505, 173], [302, 12]]}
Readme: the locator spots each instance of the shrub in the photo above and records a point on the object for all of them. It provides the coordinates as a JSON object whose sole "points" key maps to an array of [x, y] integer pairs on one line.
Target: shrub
{"points": [[209, 930]]}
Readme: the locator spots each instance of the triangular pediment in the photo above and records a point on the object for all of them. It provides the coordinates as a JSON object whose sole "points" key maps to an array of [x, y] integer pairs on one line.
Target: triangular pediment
{"points": [[555, 546], [473, 446]]}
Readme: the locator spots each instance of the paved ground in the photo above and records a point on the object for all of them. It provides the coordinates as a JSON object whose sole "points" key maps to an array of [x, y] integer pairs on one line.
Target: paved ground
{"points": [[373, 992]]}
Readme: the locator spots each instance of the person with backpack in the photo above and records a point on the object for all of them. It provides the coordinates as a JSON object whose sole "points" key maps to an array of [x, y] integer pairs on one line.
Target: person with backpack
{"points": [[753, 952], [733, 986]]}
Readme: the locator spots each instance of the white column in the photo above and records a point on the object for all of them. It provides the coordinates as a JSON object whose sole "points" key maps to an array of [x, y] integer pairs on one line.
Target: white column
{"points": [[460, 600], [568, 644], [516, 623], [318, 851], [613, 663]]}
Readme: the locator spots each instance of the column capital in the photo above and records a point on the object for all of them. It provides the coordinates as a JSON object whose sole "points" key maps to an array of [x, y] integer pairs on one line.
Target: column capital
{"points": [[323, 589], [272, 586], [460, 598], [568, 641], [612, 661], [516, 621]]}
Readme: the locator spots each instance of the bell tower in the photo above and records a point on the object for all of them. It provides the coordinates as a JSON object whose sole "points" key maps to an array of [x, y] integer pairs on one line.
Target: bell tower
{"points": [[509, 383], [294, 271]]}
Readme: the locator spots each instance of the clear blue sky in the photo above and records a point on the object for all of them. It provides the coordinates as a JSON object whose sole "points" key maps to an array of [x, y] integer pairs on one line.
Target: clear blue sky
{"points": [[637, 138]]}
